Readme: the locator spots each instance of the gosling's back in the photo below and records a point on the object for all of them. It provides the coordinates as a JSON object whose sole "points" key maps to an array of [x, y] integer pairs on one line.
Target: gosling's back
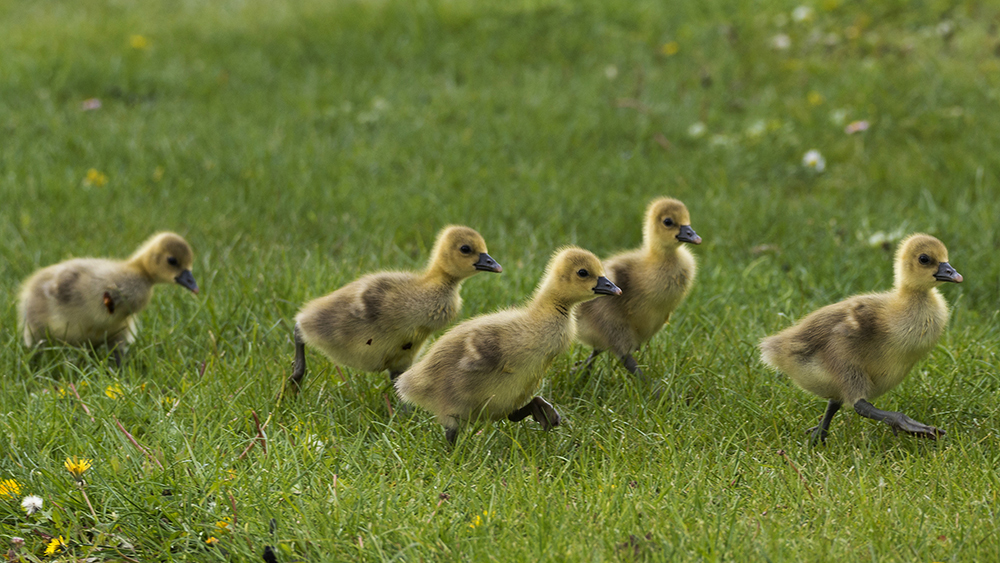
{"points": [[378, 321]]}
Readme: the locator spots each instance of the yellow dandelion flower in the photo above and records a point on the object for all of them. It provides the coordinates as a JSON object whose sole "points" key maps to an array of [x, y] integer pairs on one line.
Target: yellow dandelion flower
{"points": [[670, 49], [212, 540], [138, 42], [77, 467], [815, 98], [222, 526], [478, 520], [114, 391], [56, 544], [9, 488], [95, 178]]}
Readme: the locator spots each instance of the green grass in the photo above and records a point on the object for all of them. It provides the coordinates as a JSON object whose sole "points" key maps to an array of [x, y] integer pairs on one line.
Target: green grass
{"points": [[299, 144]]}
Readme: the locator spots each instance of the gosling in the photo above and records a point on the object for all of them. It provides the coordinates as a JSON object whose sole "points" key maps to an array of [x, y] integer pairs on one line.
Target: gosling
{"points": [[490, 366], [95, 300], [654, 280], [380, 321], [856, 350]]}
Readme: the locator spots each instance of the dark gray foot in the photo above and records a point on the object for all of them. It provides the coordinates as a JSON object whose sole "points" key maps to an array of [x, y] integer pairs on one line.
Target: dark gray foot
{"points": [[819, 433], [897, 421], [633, 367], [451, 434], [393, 375], [299, 367], [585, 366], [117, 356], [540, 410]]}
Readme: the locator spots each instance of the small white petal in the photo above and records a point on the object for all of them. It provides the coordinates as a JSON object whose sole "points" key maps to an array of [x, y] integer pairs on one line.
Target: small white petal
{"points": [[802, 13], [32, 504], [813, 159], [781, 42]]}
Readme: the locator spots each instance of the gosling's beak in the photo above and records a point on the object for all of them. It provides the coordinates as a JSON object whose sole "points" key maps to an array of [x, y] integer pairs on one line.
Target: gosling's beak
{"points": [[187, 280], [946, 273], [605, 287], [687, 234], [486, 263]]}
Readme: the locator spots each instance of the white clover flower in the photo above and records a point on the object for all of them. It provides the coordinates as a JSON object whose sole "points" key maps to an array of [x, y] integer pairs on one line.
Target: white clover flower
{"points": [[610, 72], [721, 140], [781, 42], [697, 129], [802, 13], [838, 117], [756, 129], [32, 504], [883, 239], [814, 160]]}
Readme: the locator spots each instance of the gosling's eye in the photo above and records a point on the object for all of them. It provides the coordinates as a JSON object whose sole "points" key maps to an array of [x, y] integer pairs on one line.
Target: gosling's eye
{"points": [[172, 261], [465, 249], [668, 222], [582, 272], [924, 259]]}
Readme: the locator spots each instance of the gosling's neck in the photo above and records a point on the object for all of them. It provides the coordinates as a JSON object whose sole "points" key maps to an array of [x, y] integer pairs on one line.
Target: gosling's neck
{"points": [[661, 251], [554, 305], [910, 292], [438, 277], [137, 265]]}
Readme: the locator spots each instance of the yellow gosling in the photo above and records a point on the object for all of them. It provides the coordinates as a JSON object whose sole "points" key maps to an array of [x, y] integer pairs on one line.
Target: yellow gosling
{"points": [[654, 280], [380, 321], [491, 365], [95, 300], [856, 350]]}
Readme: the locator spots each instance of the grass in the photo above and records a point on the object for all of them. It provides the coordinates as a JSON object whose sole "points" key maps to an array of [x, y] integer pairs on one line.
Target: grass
{"points": [[300, 144]]}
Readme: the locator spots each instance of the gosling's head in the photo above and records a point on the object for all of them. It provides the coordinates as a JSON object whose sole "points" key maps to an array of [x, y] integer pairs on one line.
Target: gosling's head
{"points": [[575, 275], [668, 224], [922, 263], [167, 258], [461, 252]]}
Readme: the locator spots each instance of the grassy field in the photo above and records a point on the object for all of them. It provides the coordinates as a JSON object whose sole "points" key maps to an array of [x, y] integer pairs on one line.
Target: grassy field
{"points": [[299, 144]]}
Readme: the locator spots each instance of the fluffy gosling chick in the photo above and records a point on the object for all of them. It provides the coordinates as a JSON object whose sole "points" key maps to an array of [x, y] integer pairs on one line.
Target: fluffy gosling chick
{"points": [[853, 351], [380, 321], [95, 300], [654, 280], [490, 366]]}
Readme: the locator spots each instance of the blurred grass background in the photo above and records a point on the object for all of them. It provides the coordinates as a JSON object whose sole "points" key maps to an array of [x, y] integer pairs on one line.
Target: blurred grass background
{"points": [[299, 144]]}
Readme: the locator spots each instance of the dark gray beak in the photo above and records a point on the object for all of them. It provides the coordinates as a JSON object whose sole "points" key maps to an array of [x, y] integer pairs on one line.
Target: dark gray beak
{"points": [[605, 287], [187, 280], [687, 234], [946, 273], [486, 263]]}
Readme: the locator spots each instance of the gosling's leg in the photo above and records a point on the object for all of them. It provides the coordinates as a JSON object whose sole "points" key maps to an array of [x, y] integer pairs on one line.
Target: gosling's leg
{"points": [[540, 410], [586, 365], [897, 421], [633, 367], [299, 367], [451, 427], [819, 432]]}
